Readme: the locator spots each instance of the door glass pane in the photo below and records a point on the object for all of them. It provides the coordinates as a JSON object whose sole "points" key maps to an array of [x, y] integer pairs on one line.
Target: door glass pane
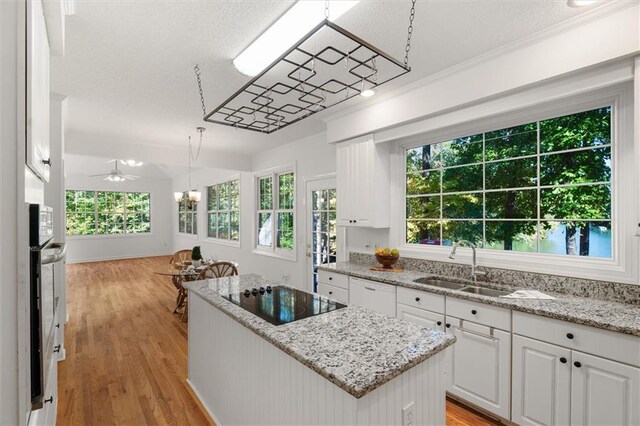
{"points": [[323, 230]]}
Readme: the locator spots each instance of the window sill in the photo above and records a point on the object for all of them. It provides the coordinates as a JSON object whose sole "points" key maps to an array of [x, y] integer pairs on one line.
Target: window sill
{"points": [[189, 236], [108, 236], [277, 254], [229, 243]]}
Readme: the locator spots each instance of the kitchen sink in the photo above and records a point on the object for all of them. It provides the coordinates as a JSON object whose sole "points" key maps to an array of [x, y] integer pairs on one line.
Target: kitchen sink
{"points": [[440, 283], [485, 291]]}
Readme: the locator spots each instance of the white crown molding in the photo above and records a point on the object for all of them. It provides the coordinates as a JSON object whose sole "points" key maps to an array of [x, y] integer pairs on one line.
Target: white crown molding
{"points": [[600, 12]]}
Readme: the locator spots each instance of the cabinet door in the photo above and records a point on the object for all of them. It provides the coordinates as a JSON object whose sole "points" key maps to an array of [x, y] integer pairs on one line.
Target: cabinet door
{"points": [[363, 195], [37, 91], [343, 183], [372, 295], [481, 366], [427, 319], [335, 293], [541, 383], [604, 392]]}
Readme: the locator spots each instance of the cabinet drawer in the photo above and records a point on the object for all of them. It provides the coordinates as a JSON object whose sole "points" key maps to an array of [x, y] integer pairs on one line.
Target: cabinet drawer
{"points": [[372, 295], [608, 344], [335, 293], [480, 313], [333, 278], [421, 299]]}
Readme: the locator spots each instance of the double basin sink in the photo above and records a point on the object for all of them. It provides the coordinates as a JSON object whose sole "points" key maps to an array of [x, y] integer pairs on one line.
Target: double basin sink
{"points": [[465, 288]]}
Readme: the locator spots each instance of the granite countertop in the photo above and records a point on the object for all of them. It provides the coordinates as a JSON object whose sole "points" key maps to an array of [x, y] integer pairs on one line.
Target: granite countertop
{"points": [[355, 348], [619, 317]]}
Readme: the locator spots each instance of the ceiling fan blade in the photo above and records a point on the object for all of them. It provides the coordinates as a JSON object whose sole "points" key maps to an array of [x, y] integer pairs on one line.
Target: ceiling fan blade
{"points": [[102, 174], [132, 177]]}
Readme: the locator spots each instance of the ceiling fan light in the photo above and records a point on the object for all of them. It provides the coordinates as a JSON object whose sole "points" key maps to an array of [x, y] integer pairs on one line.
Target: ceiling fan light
{"points": [[132, 163], [285, 32]]}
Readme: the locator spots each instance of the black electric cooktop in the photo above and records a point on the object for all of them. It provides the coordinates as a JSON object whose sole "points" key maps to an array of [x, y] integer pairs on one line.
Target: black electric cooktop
{"points": [[281, 305]]}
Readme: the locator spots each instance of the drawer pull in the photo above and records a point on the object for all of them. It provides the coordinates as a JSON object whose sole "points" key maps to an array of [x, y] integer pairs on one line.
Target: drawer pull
{"points": [[56, 349], [330, 278], [577, 364], [473, 312], [370, 288], [569, 336], [58, 325], [417, 299], [476, 333], [48, 400], [440, 323], [563, 360], [330, 293], [447, 325]]}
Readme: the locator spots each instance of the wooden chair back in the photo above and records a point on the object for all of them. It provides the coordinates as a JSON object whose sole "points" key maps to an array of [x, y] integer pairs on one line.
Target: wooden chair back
{"points": [[179, 257], [218, 270]]}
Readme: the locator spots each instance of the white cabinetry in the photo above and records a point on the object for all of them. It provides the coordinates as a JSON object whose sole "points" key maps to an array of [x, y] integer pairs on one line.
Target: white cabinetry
{"points": [[362, 171], [480, 365], [427, 319], [553, 383], [38, 157], [420, 307], [334, 286], [373, 295], [541, 383]]}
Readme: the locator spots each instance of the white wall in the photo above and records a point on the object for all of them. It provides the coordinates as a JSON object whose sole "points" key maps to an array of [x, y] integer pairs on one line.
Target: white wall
{"points": [[104, 247], [312, 157]]}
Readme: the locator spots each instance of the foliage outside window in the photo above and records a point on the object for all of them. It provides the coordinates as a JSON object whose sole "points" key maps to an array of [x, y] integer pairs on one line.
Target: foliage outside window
{"points": [[107, 212], [540, 187], [187, 215], [276, 195], [223, 210]]}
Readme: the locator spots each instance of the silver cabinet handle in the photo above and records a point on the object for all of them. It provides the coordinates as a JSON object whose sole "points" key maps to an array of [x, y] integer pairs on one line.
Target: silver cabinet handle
{"points": [[477, 333], [57, 256]]}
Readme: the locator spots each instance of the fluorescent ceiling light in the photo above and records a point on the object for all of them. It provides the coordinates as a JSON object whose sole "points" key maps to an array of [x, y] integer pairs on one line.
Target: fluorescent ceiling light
{"points": [[580, 3], [301, 18]]}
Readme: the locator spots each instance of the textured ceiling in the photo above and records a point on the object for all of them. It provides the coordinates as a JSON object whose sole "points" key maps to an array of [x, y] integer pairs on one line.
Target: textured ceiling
{"points": [[128, 69], [85, 165]]}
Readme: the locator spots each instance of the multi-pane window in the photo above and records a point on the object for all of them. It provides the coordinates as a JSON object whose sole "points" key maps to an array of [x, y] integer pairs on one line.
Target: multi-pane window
{"points": [[543, 187], [223, 210], [323, 230], [187, 215], [276, 195], [107, 212]]}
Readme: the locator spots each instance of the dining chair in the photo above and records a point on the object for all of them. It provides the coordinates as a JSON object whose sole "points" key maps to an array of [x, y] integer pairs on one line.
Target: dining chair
{"points": [[180, 257], [219, 269]]}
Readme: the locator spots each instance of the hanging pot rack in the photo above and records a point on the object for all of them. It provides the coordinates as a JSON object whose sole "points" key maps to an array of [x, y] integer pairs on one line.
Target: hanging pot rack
{"points": [[326, 67]]}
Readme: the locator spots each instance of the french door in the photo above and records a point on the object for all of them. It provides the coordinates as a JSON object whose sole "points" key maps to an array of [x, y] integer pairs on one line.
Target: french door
{"points": [[321, 227]]}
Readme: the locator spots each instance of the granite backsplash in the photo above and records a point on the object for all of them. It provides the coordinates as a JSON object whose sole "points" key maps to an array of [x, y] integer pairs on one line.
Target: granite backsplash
{"points": [[603, 290]]}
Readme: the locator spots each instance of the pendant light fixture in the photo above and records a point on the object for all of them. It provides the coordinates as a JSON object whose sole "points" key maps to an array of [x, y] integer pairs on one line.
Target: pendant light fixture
{"points": [[193, 195], [325, 67]]}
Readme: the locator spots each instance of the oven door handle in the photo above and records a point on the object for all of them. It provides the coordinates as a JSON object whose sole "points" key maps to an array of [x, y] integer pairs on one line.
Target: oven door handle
{"points": [[57, 256]]}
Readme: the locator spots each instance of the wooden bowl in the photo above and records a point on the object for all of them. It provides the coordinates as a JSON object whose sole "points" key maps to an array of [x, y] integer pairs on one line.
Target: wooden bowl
{"points": [[387, 262]]}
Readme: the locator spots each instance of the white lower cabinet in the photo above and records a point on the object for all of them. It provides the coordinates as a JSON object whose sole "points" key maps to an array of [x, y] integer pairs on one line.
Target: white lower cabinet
{"points": [[481, 366], [333, 292], [427, 319], [604, 392], [373, 295], [541, 383]]}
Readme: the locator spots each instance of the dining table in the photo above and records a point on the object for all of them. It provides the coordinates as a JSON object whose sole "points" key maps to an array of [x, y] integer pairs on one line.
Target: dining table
{"points": [[180, 273]]}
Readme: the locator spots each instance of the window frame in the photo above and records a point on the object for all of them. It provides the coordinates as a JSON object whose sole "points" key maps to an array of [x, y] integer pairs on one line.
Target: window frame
{"points": [[217, 240], [192, 212], [272, 250], [97, 213], [624, 210]]}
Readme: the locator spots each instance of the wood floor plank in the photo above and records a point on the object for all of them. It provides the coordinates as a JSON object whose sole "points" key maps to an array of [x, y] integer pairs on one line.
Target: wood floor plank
{"points": [[126, 352]]}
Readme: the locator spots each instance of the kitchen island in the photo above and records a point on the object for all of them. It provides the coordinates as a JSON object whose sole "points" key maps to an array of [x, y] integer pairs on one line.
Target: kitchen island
{"points": [[348, 366]]}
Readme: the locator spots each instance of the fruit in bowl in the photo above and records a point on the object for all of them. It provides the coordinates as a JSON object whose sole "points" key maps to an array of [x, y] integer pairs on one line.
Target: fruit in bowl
{"points": [[387, 257]]}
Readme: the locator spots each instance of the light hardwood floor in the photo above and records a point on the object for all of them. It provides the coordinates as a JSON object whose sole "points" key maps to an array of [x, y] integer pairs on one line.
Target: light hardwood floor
{"points": [[126, 352]]}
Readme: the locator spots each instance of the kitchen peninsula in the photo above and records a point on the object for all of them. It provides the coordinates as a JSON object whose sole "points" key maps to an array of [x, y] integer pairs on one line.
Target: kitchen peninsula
{"points": [[349, 365]]}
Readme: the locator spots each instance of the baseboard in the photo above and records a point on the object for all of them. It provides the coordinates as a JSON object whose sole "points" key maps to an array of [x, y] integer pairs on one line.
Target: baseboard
{"points": [[202, 404], [103, 259]]}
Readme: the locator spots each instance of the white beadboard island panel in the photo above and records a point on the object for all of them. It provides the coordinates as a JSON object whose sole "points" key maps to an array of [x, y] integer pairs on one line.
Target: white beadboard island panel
{"points": [[243, 379]]}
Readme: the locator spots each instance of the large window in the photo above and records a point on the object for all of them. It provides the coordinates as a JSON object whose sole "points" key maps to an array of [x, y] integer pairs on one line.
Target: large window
{"points": [[223, 210], [107, 212], [187, 215], [542, 187], [276, 195]]}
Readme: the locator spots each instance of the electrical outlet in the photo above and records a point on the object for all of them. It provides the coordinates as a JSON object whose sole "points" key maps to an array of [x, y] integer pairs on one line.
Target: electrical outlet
{"points": [[409, 414]]}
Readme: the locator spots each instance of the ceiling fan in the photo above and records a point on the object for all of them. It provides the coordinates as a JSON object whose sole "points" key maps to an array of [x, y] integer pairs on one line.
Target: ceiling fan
{"points": [[116, 175]]}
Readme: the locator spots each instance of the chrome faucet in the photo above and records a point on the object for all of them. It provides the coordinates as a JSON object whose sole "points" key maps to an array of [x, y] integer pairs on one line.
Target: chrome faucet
{"points": [[474, 266]]}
